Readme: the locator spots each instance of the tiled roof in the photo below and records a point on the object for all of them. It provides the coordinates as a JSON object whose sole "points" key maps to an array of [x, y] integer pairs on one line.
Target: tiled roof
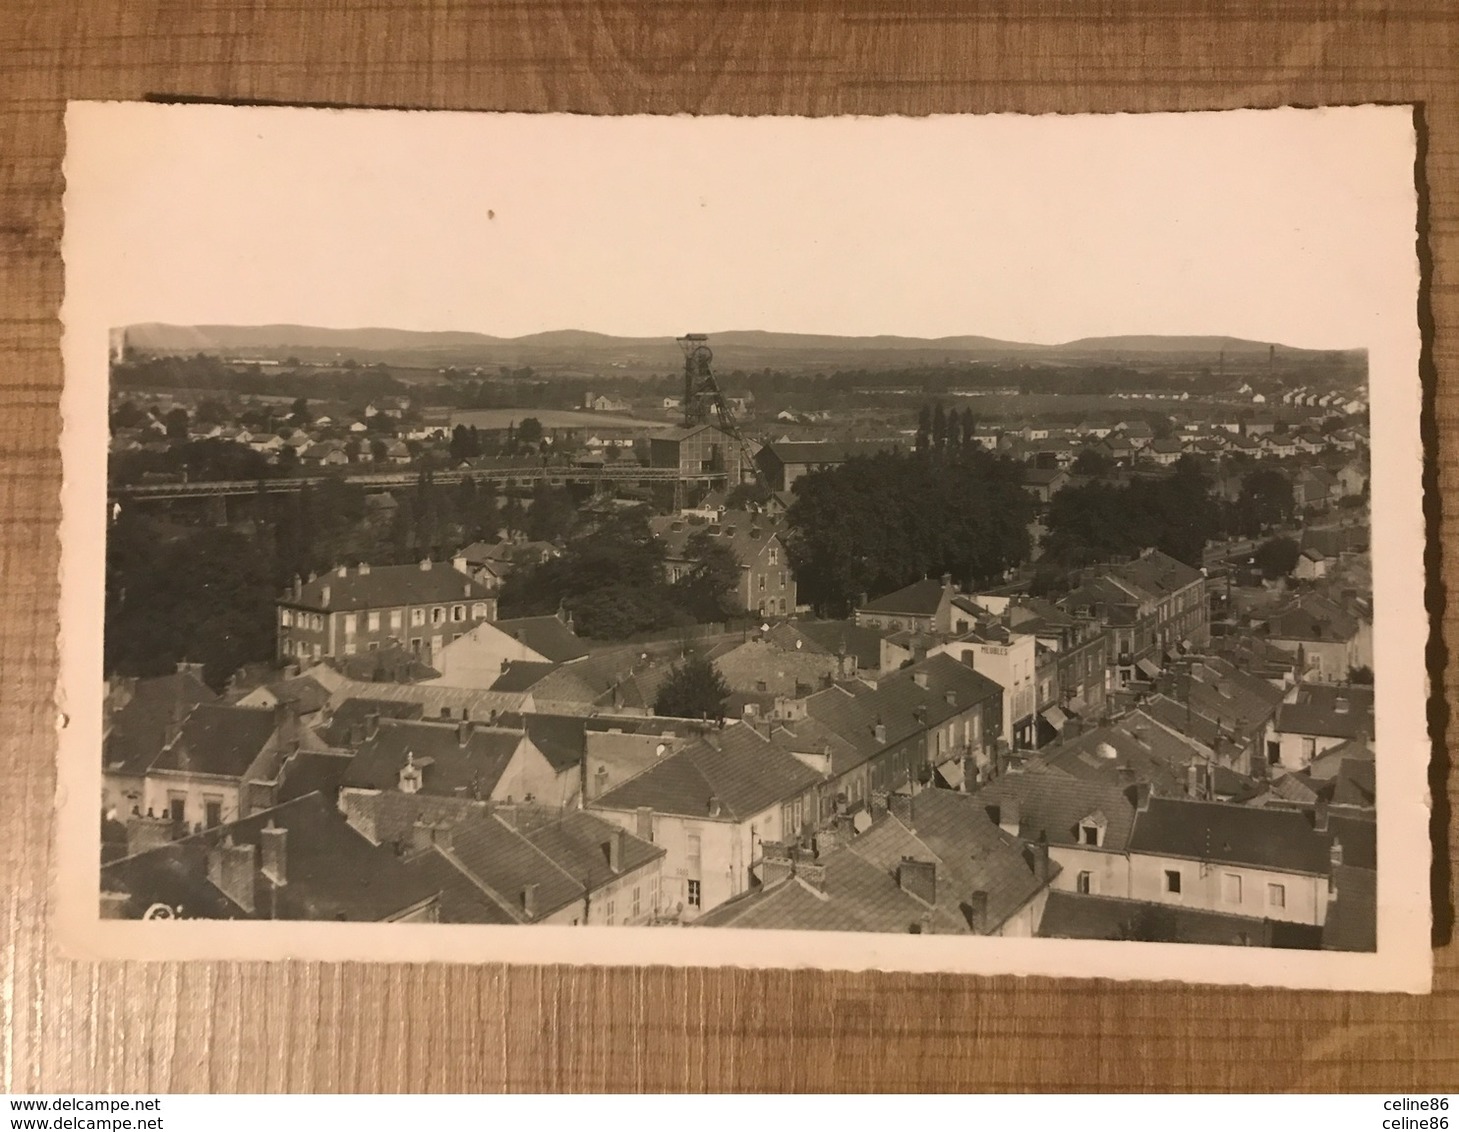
{"points": [[333, 873], [564, 857], [139, 729], [1258, 837], [737, 767], [218, 739], [919, 599], [447, 766], [547, 635], [384, 587], [839, 638], [1052, 804]]}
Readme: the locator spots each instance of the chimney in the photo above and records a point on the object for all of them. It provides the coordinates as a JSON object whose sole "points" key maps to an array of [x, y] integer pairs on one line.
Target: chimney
{"points": [[425, 563], [879, 731], [1334, 853], [713, 806], [459, 563], [529, 901], [372, 724], [978, 912], [918, 878], [951, 697], [231, 870], [149, 832], [920, 679], [946, 581], [463, 733], [274, 842], [776, 865], [1319, 816], [1010, 816], [364, 568], [813, 873], [645, 826], [410, 775], [861, 601], [615, 850], [1139, 794], [1042, 868], [324, 596], [344, 571], [1192, 781], [298, 588]]}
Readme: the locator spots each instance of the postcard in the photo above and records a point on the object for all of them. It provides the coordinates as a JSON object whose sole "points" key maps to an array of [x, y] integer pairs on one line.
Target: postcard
{"points": [[975, 544]]}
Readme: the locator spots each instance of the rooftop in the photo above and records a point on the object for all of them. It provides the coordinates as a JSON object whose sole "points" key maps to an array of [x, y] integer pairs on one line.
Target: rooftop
{"points": [[218, 739], [454, 759], [920, 599], [384, 587], [1257, 837], [547, 635], [140, 728]]}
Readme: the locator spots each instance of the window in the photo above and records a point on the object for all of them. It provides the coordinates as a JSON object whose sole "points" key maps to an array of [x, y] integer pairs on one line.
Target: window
{"points": [[774, 556], [177, 807], [694, 897], [693, 855], [372, 622], [611, 917], [782, 605], [1082, 883], [347, 623], [415, 644], [417, 617], [286, 617], [636, 910], [438, 615], [1309, 749], [478, 611], [1172, 881], [374, 646], [1276, 895], [458, 613], [316, 621], [349, 648], [212, 811], [1231, 888], [1089, 833], [397, 618], [761, 580], [317, 652]]}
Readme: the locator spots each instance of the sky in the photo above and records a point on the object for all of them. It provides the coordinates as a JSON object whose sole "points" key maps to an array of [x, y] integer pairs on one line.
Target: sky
{"points": [[1272, 225]]}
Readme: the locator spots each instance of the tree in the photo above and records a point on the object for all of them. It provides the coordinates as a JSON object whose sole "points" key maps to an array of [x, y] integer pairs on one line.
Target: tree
{"points": [[709, 591], [1092, 462], [1277, 558], [924, 429], [299, 415], [176, 422], [1362, 674], [529, 432], [552, 514], [1265, 502], [746, 496], [212, 411], [694, 689]]}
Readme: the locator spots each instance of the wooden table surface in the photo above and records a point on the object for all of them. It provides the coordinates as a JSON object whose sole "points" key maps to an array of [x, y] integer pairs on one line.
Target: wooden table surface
{"points": [[67, 1026]]}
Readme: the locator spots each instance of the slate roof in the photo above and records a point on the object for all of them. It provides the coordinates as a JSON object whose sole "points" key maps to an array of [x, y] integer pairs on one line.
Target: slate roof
{"points": [[313, 772], [1157, 573], [461, 899], [434, 699], [548, 635], [384, 587], [920, 599], [861, 890], [743, 533], [1070, 915], [1155, 756], [1315, 712], [1352, 917], [738, 766], [389, 664], [1313, 619], [522, 675], [139, 729], [1258, 837], [1043, 477], [562, 739], [447, 767], [348, 718], [815, 452], [1052, 804], [218, 739], [333, 872], [307, 694]]}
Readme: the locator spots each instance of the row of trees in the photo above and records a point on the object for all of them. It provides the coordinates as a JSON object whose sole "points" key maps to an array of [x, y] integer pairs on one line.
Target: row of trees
{"points": [[877, 523]]}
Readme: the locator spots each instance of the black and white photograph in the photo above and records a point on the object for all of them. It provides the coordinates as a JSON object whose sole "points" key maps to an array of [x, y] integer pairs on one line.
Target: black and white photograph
{"points": [[745, 541]]}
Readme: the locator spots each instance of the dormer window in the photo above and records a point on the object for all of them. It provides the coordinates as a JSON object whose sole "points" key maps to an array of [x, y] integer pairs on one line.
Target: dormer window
{"points": [[1092, 829]]}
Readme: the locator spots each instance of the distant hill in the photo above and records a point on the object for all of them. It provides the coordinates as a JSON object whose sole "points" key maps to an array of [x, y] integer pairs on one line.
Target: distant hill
{"points": [[587, 351]]}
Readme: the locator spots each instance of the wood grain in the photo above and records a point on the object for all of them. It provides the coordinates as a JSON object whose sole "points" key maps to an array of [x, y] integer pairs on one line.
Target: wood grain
{"points": [[98, 1028]]}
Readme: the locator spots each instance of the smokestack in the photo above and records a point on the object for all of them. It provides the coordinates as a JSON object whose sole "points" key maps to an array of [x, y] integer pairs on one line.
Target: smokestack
{"points": [[274, 842]]}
